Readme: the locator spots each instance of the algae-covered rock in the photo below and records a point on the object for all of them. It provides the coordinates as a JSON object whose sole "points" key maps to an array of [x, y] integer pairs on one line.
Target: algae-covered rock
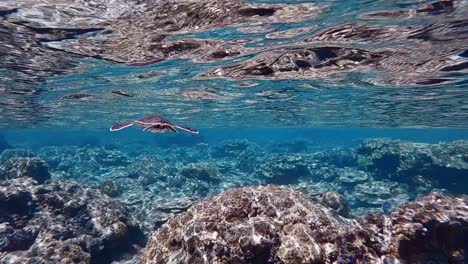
{"points": [[283, 169], [445, 163], [275, 224], [265, 224], [230, 148], [373, 193], [146, 169], [350, 176], [62, 222], [201, 171], [111, 188], [335, 201], [33, 167], [15, 153]]}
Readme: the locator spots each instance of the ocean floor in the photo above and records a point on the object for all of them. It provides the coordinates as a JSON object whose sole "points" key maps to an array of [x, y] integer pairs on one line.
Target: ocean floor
{"points": [[236, 201]]}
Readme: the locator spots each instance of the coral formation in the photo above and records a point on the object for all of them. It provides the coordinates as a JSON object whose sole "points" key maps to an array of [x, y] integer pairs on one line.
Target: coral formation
{"points": [[401, 161], [34, 167], [336, 202], [283, 168], [429, 230], [111, 188], [201, 171], [146, 169], [230, 149], [82, 162], [258, 224], [62, 222], [15, 153], [351, 176], [165, 191], [187, 174], [274, 224]]}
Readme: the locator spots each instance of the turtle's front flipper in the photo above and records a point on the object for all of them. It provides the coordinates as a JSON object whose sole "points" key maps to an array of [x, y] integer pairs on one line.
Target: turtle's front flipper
{"points": [[188, 129], [121, 126]]}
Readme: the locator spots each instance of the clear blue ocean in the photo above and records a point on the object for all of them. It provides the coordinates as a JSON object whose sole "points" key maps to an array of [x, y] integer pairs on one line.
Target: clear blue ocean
{"points": [[231, 131]]}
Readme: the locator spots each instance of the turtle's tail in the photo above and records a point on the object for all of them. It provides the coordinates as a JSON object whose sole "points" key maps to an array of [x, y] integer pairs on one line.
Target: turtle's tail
{"points": [[121, 126], [188, 129]]}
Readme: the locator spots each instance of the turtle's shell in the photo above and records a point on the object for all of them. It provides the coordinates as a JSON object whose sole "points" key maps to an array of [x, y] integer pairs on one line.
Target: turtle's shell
{"points": [[152, 120]]}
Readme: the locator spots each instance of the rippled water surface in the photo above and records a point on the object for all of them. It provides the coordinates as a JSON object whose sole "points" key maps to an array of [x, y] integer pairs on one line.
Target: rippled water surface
{"points": [[234, 63]]}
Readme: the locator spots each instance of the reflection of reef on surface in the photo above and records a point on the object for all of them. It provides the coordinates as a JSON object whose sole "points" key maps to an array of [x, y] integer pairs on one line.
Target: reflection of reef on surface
{"points": [[403, 55], [422, 61], [230, 39], [299, 63], [135, 33]]}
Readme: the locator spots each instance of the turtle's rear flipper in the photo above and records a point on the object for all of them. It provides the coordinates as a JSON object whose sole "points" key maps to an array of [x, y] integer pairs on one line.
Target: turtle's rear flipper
{"points": [[171, 128], [188, 129], [159, 128], [121, 126]]}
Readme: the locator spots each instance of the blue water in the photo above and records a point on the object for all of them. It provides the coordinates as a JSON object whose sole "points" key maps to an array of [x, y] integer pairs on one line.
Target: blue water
{"points": [[320, 137], [368, 99]]}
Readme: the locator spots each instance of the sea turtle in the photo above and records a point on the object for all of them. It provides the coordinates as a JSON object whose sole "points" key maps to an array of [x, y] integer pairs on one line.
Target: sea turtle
{"points": [[154, 124]]}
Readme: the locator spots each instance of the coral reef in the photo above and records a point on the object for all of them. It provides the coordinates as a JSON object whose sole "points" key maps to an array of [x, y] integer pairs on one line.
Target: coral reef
{"points": [[15, 153], [296, 146], [350, 176], [445, 163], [429, 230], [324, 209], [230, 149], [82, 162], [336, 202], [257, 224], [373, 193], [274, 224], [146, 169], [247, 160], [201, 171], [283, 168], [111, 188], [34, 167], [62, 222], [187, 174]]}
